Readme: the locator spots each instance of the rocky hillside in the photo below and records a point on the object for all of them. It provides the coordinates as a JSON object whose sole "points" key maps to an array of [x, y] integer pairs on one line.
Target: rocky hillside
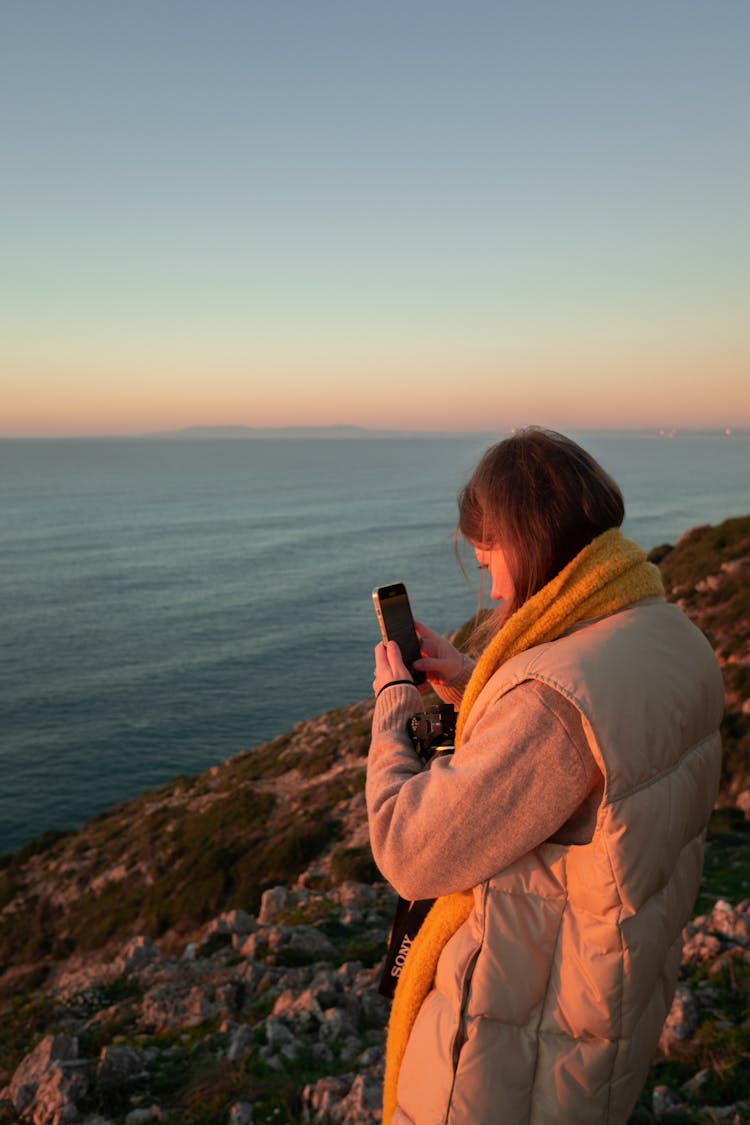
{"points": [[708, 574], [208, 952]]}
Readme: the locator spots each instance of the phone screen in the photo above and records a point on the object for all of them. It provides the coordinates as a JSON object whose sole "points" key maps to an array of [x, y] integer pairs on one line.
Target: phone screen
{"points": [[397, 623]]}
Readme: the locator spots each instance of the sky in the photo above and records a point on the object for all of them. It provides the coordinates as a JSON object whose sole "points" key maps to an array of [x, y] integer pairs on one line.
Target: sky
{"points": [[419, 215]]}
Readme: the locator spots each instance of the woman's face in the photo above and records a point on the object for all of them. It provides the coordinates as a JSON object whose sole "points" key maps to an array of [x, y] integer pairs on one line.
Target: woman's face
{"points": [[493, 560]]}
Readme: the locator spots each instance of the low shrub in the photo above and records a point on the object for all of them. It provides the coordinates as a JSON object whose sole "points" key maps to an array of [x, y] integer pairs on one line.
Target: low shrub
{"points": [[284, 855], [355, 864]]}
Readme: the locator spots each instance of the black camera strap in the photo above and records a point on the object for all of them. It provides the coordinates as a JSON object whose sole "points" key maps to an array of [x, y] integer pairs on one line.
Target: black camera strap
{"points": [[431, 734], [406, 923]]}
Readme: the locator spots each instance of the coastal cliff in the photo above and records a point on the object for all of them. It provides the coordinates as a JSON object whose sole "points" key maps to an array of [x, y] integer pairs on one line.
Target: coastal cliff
{"points": [[209, 951]]}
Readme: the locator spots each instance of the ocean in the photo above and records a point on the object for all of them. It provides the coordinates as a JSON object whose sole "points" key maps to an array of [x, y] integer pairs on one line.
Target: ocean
{"points": [[166, 603]]}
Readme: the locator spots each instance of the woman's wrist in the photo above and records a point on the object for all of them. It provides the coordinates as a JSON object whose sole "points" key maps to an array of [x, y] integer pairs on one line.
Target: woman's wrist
{"points": [[395, 704], [463, 675], [390, 684]]}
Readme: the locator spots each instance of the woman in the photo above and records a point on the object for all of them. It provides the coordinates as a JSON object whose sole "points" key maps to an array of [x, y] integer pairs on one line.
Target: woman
{"points": [[564, 838]]}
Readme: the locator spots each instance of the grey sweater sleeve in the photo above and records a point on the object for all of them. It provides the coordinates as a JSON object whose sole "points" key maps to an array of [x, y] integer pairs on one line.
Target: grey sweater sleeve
{"points": [[523, 774]]}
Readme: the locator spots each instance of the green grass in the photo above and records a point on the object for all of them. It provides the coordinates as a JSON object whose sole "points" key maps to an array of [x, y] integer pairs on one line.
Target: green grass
{"points": [[355, 864], [721, 1044], [726, 867]]}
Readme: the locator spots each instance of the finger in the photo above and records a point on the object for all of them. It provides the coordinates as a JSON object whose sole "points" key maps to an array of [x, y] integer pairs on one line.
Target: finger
{"points": [[382, 672], [430, 643], [389, 666], [436, 671], [382, 664], [430, 664], [396, 660]]}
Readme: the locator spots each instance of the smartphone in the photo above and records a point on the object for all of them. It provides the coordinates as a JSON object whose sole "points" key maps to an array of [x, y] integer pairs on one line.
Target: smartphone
{"points": [[396, 623]]}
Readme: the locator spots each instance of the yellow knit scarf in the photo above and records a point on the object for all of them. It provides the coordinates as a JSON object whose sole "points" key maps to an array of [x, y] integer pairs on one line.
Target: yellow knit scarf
{"points": [[609, 574]]}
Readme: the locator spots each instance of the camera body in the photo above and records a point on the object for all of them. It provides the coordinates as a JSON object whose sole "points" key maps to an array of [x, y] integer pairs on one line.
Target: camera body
{"points": [[433, 732]]}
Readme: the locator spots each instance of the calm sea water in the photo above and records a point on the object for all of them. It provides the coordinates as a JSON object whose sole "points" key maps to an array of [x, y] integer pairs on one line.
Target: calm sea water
{"points": [[165, 604]]}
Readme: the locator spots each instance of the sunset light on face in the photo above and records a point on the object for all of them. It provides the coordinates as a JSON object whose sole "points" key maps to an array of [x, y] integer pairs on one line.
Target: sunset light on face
{"points": [[432, 217]]}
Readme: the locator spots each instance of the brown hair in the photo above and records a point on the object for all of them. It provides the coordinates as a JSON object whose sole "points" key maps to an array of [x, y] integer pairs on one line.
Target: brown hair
{"points": [[541, 498]]}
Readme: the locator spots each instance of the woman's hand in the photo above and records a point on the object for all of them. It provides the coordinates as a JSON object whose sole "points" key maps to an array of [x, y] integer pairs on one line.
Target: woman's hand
{"points": [[389, 666], [441, 661]]}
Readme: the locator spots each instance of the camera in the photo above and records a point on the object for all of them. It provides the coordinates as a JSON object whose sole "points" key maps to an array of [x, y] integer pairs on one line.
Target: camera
{"points": [[433, 732]]}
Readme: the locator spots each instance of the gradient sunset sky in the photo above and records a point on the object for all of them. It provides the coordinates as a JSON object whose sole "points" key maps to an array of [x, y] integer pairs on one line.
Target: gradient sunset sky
{"points": [[418, 214]]}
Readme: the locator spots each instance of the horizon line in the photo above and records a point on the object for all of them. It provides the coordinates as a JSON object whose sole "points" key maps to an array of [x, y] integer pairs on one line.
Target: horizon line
{"points": [[232, 431]]}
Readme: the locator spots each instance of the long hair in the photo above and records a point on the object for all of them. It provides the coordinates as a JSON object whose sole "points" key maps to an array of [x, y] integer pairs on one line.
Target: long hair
{"points": [[541, 498]]}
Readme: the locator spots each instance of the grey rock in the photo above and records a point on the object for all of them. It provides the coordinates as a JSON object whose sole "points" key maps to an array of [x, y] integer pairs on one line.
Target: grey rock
{"points": [[322, 1054], [696, 1084], [241, 1113], [62, 1087], [363, 1102], [185, 1004], [290, 1052], [232, 922], [30, 1072], [117, 1065], [255, 946], [323, 1098], [666, 1101], [375, 1008], [681, 1021], [140, 1117], [350, 1048], [313, 877], [699, 948], [277, 1034], [275, 1062], [730, 922], [303, 942], [304, 1007], [337, 1025], [240, 1043], [371, 1057], [359, 895], [137, 954], [274, 901], [349, 1099], [728, 958]]}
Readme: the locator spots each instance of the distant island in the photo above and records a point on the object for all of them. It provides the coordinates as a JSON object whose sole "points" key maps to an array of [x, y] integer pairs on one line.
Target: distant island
{"points": [[345, 431], [267, 432]]}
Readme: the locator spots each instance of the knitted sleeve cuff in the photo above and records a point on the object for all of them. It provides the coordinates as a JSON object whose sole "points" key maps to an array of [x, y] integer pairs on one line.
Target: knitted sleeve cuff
{"points": [[453, 692], [395, 706]]}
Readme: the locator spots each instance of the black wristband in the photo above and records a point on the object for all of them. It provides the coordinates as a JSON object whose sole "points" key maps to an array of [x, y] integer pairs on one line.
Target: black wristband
{"points": [[393, 683]]}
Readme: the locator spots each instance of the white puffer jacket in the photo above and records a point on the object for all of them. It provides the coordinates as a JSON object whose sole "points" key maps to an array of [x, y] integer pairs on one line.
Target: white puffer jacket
{"points": [[548, 1002]]}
